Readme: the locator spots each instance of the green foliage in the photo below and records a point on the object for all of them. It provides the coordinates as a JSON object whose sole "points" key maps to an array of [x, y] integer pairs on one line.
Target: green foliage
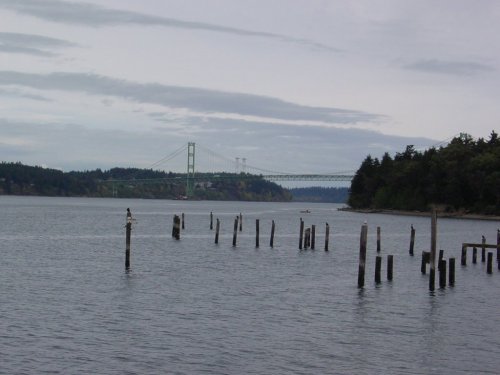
{"points": [[463, 176], [19, 179]]}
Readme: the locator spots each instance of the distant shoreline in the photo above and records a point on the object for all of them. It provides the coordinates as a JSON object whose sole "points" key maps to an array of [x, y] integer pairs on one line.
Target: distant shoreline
{"points": [[448, 215]]}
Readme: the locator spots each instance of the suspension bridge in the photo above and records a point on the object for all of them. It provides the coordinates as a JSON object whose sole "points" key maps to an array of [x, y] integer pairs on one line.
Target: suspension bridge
{"points": [[213, 166]]}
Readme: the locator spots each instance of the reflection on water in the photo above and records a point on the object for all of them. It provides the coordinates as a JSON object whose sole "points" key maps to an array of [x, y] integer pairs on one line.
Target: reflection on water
{"points": [[67, 304]]}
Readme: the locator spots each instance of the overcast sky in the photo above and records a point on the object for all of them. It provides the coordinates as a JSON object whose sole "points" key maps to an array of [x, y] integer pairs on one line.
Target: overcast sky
{"points": [[301, 86]]}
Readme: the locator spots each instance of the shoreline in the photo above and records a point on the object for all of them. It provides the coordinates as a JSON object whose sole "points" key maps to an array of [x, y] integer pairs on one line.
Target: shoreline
{"points": [[446, 215]]}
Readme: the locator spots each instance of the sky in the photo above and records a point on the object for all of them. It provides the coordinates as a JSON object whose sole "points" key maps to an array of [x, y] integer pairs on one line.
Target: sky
{"points": [[296, 86]]}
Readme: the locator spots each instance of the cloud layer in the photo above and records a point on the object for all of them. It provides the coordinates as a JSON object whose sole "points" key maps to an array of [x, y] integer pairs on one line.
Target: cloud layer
{"points": [[31, 44]]}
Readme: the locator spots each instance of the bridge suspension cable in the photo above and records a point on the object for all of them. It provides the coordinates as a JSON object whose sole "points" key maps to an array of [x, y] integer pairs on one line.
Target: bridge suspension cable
{"points": [[169, 156]]}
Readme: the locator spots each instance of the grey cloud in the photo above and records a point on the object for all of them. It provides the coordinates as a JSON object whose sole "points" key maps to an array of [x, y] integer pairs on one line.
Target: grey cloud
{"points": [[195, 99], [19, 94], [460, 68], [95, 16], [37, 45]]}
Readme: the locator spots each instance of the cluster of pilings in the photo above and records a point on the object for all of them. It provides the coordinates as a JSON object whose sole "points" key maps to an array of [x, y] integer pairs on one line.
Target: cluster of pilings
{"points": [[307, 240], [378, 259]]}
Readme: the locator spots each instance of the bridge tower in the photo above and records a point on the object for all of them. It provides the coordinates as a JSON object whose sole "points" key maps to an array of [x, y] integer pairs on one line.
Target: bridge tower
{"points": [[190, 170]]}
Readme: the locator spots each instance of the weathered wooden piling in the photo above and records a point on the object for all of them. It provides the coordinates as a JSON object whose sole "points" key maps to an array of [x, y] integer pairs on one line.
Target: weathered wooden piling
{"points": [[241, 222], [378, 239], [128, 225], [217, 227], [271, 241], [211, 220], [256, 232], [378, 268], [474, 255], [176, 227], [498, 248], [301, 233], [390, 265], [425, 261], [412, 240], [489, 264], [307, 238], [362, 255], [313, 236], [483, 249], [235, 230], [327, 236], [182, 217], [442, 273], [451, 273], [463, 259], [432, 268], [440, 258]]}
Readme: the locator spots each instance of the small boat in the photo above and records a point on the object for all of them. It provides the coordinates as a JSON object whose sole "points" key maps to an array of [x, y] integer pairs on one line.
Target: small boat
{"points": [[305, 211]]}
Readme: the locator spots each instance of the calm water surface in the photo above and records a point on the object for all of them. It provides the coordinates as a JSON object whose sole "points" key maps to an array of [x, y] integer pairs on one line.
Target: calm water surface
{"points": [[68, 306]]}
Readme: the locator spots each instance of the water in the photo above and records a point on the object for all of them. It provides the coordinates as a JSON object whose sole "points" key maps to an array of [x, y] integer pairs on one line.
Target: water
{"points": [[191, 307]]}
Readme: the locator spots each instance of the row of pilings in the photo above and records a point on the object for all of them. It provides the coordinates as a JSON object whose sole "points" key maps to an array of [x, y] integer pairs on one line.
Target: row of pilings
{"points": [[307, 240]]}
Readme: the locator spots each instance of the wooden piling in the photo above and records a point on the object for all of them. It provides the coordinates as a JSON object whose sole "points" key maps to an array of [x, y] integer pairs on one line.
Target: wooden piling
{"points": [[241, 222], [256, 232], [217, 227], [378, 267], [440, 258], [271, 241], [474, 255], [235, 230], [362, 255], [128, 225], [432, 268], [211, 220], [425, 261], [378, 239], [182, 216], [307, 238], [412, 240], [463, 259], [489, 264], [390, 264], [442, 274], [498, 248], [301, 233], [483, 249], [327, 236], [313, 236], [451, 273], [176, 227]]}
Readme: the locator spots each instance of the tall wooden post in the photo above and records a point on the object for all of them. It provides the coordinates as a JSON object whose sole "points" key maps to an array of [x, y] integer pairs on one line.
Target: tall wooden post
{"points": [[474, 255], [489, 264], [440, 258], [217, 227], [378, 268], [271, 242], [451, 274], [128, 225], [362, 255], [483, 249], [442, 274], [235, 230], [432, 268], [327, 236], [390, 264], [313, 236], [241, 222], [307, 238], [301, 233], [378, 239], [256, 232], [463, 259], [412, 240], [182, 216], [498, 248], [211, 220]]}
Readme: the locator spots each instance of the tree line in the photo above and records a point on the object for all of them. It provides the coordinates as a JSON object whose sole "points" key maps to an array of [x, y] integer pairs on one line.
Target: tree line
{"points": [[463, 176], [20, 179]]}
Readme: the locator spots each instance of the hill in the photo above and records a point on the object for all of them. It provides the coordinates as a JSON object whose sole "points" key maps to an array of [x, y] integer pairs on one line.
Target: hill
{"points": [[463, 176]]}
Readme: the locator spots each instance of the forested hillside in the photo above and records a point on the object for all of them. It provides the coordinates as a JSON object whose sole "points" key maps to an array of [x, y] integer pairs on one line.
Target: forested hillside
{"points": [[320, 194], [462, 176], [19, 179]]}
